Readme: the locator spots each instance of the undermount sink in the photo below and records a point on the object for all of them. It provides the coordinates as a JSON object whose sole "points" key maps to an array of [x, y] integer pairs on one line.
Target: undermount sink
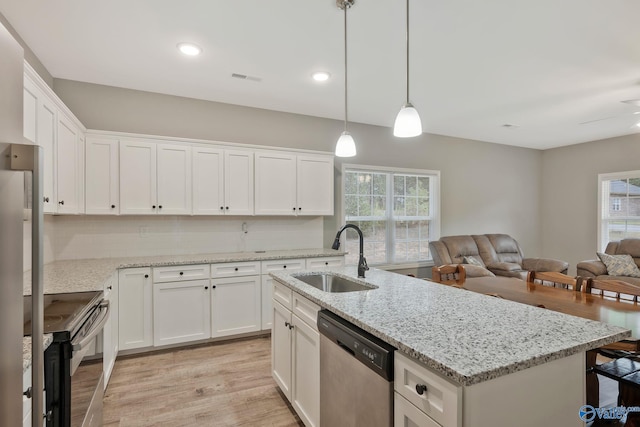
{"points": [[327, 282]]}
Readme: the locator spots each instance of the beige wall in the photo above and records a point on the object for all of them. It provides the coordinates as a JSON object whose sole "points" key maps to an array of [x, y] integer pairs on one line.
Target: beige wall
{"points": [[485, 187], [570, 196]]}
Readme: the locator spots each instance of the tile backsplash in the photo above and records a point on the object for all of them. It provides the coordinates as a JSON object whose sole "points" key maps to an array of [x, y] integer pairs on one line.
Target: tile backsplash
{"points": [[87, 236]]}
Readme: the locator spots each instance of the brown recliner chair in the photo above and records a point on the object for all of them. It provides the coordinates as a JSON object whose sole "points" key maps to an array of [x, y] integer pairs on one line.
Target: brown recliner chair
{"points": [[596, 268], [499, 254]]}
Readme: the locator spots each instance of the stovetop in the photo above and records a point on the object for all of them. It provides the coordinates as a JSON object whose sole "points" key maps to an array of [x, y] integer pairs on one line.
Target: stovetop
{"points": [[63, 312]]}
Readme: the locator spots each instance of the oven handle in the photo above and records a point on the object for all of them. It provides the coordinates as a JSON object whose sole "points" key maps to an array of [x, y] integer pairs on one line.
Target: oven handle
{"points": [[104, 307]]}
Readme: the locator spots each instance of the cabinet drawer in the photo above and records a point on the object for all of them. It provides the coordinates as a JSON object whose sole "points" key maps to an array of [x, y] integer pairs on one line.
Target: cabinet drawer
{"points": [[235, 269], [405, 414], [282, 265], [305, 310], [282, 294], [442, 400], [324, 262], [176, 273]]}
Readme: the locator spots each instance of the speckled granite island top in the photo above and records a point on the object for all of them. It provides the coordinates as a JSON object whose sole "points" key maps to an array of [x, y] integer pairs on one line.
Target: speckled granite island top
{"points": [[26, 350], [466, 336], [90, 274]]}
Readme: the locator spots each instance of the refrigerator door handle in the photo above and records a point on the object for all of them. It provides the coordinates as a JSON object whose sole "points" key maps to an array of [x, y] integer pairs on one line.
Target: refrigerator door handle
{"points": [[31, 158]]}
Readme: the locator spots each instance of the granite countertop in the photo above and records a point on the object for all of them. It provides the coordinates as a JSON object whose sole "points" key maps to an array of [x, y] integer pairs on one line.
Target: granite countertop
{"points": [[468, 337], [90, 274], [26, 350]]}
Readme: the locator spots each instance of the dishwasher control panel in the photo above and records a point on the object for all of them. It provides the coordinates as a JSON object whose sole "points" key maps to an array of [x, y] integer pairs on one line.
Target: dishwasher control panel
{"points": [[370, 350]]}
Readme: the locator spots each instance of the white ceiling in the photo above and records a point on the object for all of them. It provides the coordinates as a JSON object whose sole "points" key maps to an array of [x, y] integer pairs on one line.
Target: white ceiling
{"points": [[546, 66]]}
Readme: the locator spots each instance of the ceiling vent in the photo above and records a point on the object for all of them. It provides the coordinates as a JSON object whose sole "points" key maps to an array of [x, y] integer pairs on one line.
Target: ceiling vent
{"points": [[245, 77]]}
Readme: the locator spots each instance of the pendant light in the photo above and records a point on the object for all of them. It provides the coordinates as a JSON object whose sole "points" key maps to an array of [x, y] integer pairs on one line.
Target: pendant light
{"points": [[408, 122], [346, 146]]}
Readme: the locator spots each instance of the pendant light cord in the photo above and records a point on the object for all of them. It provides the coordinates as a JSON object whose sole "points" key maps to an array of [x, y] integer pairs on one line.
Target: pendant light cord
{"points": [[407, 51], [346, 6]]}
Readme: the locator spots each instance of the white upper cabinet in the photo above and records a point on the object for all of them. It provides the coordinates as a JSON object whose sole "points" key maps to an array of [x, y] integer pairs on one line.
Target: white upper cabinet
{"points": [[101, 181], [275, 183], [290, 184], [315, 185], [208, 180], [238, 182], [69, 167], [48, 123], [138, 183], [174, 179]]}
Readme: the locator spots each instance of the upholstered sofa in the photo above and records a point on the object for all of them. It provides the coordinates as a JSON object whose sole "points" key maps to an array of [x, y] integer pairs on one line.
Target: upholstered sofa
{"points": [[490, 254], [596, 268]]}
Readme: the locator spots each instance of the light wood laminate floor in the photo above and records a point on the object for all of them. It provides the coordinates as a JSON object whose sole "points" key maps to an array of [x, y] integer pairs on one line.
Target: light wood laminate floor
{"points": [[220, 384]]}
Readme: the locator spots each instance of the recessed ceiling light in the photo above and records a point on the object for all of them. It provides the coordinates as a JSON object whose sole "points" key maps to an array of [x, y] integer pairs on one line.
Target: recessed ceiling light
{"points": [[189, 49], [321, 76]]}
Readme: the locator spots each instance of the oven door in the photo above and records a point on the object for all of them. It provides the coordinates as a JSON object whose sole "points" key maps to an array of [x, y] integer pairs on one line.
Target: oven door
{"points": [[86, 368]]}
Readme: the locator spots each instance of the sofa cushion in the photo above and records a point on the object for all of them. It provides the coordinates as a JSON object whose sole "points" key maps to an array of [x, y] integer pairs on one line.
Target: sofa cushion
{"points": [[619, 265], [632, 280], [628, 247], [506, 248], [459, 247], [472, 260], [477, 271], [504, 266]]}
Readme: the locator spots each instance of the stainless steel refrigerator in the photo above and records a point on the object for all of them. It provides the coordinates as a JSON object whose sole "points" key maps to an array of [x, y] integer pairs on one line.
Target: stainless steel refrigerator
{"points": [[20, 219]]}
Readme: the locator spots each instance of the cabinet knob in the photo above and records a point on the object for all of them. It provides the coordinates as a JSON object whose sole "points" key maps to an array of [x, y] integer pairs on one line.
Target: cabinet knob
{"points": [[154, 206], [28, 393], [221, 208], [46, 200], [206, 287], [294, 208], [109, 287], [236, 269], [146, 276], [227, 208], [284, 266], [290, 326], [181, 273], [287, 324], [420, 389], [113, 206], [299, 209], [61, 202], [213, 286], [326, 263]]}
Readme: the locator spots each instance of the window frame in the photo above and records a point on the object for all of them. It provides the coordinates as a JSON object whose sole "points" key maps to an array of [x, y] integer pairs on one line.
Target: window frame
{"points": [[434, 208], [604, 204]]}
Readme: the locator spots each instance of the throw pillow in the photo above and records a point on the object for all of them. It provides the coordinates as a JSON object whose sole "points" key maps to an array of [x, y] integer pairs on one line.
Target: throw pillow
{"points": [[619, 265], [472, 261]]}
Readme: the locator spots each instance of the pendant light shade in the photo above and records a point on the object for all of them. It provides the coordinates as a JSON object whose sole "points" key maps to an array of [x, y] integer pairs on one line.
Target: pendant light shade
{"points": [[408, 121], [346, 146]]}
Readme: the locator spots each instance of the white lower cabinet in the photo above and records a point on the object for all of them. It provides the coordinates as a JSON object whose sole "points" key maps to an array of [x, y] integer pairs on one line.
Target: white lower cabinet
{"points": [[26, 401], [235, 305], [295, 352], [110, 332], [273, 266], [135, 323], [181, 312]]}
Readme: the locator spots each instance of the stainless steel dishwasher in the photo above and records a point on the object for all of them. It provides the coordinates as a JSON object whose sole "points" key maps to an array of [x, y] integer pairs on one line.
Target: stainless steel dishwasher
{"points": [[356, 375]]}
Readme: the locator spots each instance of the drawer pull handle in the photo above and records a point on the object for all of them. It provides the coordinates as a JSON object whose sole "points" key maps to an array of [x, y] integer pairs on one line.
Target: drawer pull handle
{"points": [[420, 389]]}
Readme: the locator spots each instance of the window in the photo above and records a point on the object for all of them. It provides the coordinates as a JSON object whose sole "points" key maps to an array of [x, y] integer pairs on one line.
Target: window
{"points": [[397, 211], [619, 207]]}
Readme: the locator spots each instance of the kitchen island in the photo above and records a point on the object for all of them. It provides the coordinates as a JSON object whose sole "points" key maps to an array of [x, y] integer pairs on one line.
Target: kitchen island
{"points": [[506, 362]]}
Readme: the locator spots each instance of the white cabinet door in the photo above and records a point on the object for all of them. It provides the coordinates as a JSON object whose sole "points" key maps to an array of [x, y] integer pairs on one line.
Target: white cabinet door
{"points": [[138, 178], [281, 348], [238, 182], [235, 305], [31, 93], [68, 171], [110, 332], [174, 179], [135, 323], [208, 181], [275, 183], [305, 390], [181, 312], [267, 284], [46, 137], [102, 179], [315, 185]]}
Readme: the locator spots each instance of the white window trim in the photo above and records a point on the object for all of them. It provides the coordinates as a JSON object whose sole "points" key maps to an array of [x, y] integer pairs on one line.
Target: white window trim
{"points": [[602, 204], [435, 207]]}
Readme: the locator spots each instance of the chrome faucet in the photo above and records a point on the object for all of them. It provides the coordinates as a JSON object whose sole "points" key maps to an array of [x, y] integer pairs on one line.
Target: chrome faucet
{"points": [[362, 262]]}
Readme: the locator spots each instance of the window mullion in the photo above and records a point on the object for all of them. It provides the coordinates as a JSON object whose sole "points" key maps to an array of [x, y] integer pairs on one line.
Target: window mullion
{"points": [[391, 248]]}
